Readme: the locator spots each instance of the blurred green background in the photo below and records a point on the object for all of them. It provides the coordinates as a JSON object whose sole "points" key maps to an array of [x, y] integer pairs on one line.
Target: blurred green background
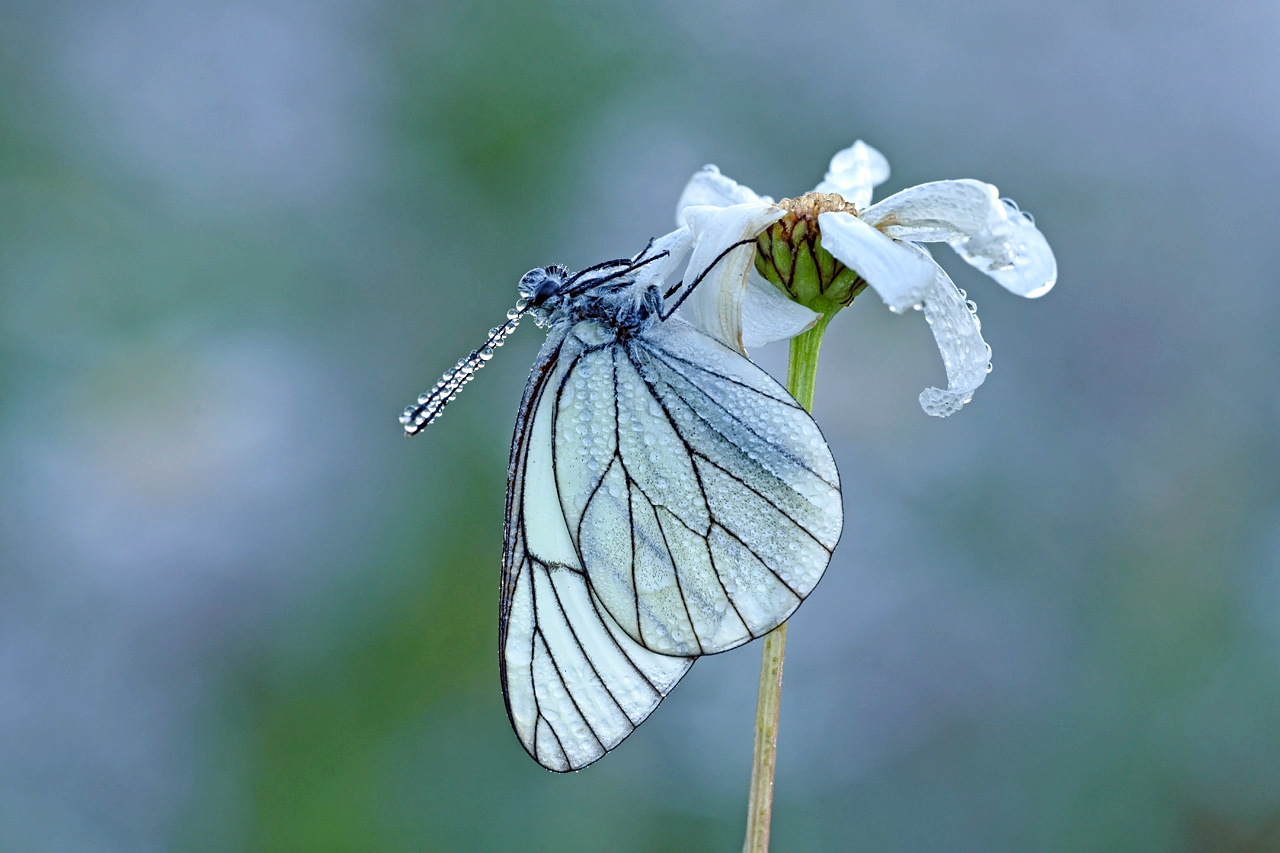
{"points": [[239, 611]]}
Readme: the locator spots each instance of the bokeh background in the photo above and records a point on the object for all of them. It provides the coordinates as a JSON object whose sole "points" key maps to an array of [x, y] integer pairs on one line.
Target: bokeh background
{"points": [[239, 611]]}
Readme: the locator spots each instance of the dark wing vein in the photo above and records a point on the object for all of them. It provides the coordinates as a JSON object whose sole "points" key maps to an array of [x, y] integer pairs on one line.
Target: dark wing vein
{"points": [[753, 552], [555, 423], [513, 534], [714, 572], [666, 546], [794, 521], [781, 451], [591, 663], [643, 677], [702, 490], [789, 401], [555, 664], [626, 475], [756, 465]]}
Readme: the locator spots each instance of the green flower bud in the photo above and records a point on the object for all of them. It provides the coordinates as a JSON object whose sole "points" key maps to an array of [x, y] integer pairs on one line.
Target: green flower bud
{"points": [[790, 255]]}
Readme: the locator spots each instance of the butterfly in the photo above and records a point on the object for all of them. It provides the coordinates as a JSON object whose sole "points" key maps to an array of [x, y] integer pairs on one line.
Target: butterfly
{"points": [[666, 499]]}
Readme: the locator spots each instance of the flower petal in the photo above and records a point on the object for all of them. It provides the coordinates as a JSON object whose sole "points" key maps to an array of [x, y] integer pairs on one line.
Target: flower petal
{"points": [[966, 356], [897, 272], [990, 233], [937, 211], [854, 172], [716, 305], [1014, 253], [768, 315], [709, 187]]}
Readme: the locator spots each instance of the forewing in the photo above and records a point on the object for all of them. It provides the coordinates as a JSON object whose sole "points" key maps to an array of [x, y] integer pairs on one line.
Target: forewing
{"points": [[575, 684], [712, 508]]}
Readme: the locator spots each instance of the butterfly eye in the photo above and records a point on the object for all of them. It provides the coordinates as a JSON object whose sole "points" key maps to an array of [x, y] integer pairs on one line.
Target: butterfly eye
{"points": [[540, 284]]}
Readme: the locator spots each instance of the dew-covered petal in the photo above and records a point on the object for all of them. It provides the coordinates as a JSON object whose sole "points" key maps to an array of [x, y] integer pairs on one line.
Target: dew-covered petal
{"points": [[966, 356], [990, 233], [709, 187], [768, 315], [1013, 252], [854, 172], [716, 304], [937, 211], [896, 271]]}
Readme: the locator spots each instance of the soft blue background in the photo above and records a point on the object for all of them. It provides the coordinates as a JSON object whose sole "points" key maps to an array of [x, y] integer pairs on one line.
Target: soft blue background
{"points": [[239, 611]]}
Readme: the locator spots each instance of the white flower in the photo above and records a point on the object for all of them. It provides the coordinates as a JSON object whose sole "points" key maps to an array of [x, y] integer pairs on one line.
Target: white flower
{"points": [[880, 242]]}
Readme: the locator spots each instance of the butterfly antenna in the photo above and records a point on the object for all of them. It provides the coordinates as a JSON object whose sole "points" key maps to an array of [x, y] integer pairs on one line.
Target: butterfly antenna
{"points": [[628, 266], [432, 403], [667, 312], [620, 262]]}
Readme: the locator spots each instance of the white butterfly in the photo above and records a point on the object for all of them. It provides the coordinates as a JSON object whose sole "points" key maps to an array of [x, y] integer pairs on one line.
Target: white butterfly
{"points": [[666, 499]]}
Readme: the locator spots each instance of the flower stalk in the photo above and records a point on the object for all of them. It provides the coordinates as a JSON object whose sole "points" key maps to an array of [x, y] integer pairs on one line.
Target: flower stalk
{"points": [[802, 372]]}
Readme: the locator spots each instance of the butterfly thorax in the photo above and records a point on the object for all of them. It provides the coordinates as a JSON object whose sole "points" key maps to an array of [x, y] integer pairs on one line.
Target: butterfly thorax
{"points": [[617, 301]]}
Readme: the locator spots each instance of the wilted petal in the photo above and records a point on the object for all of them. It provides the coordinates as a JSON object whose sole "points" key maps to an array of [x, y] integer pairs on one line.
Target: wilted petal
{"points": [[897, 272], [709, 187], [854, 172], [716, 304], [988, 232], [768, 315], [965, 355]]}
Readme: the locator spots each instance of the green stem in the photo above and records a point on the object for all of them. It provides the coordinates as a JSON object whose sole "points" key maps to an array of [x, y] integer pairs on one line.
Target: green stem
{"points": [[802, 366], [802, 371]]}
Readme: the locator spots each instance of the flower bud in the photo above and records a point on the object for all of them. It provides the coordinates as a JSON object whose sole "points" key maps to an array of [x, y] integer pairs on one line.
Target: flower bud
{"points": [[790, 255]]}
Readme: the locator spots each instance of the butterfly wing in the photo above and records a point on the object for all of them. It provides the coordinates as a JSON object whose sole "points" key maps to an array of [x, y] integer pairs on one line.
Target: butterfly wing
{"points": [[666, 499], [701, 497], [575, 684]]}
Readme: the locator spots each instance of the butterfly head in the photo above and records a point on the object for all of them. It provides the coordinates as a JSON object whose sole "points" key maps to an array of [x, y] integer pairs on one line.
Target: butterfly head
{"points": [[541, 283]]}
